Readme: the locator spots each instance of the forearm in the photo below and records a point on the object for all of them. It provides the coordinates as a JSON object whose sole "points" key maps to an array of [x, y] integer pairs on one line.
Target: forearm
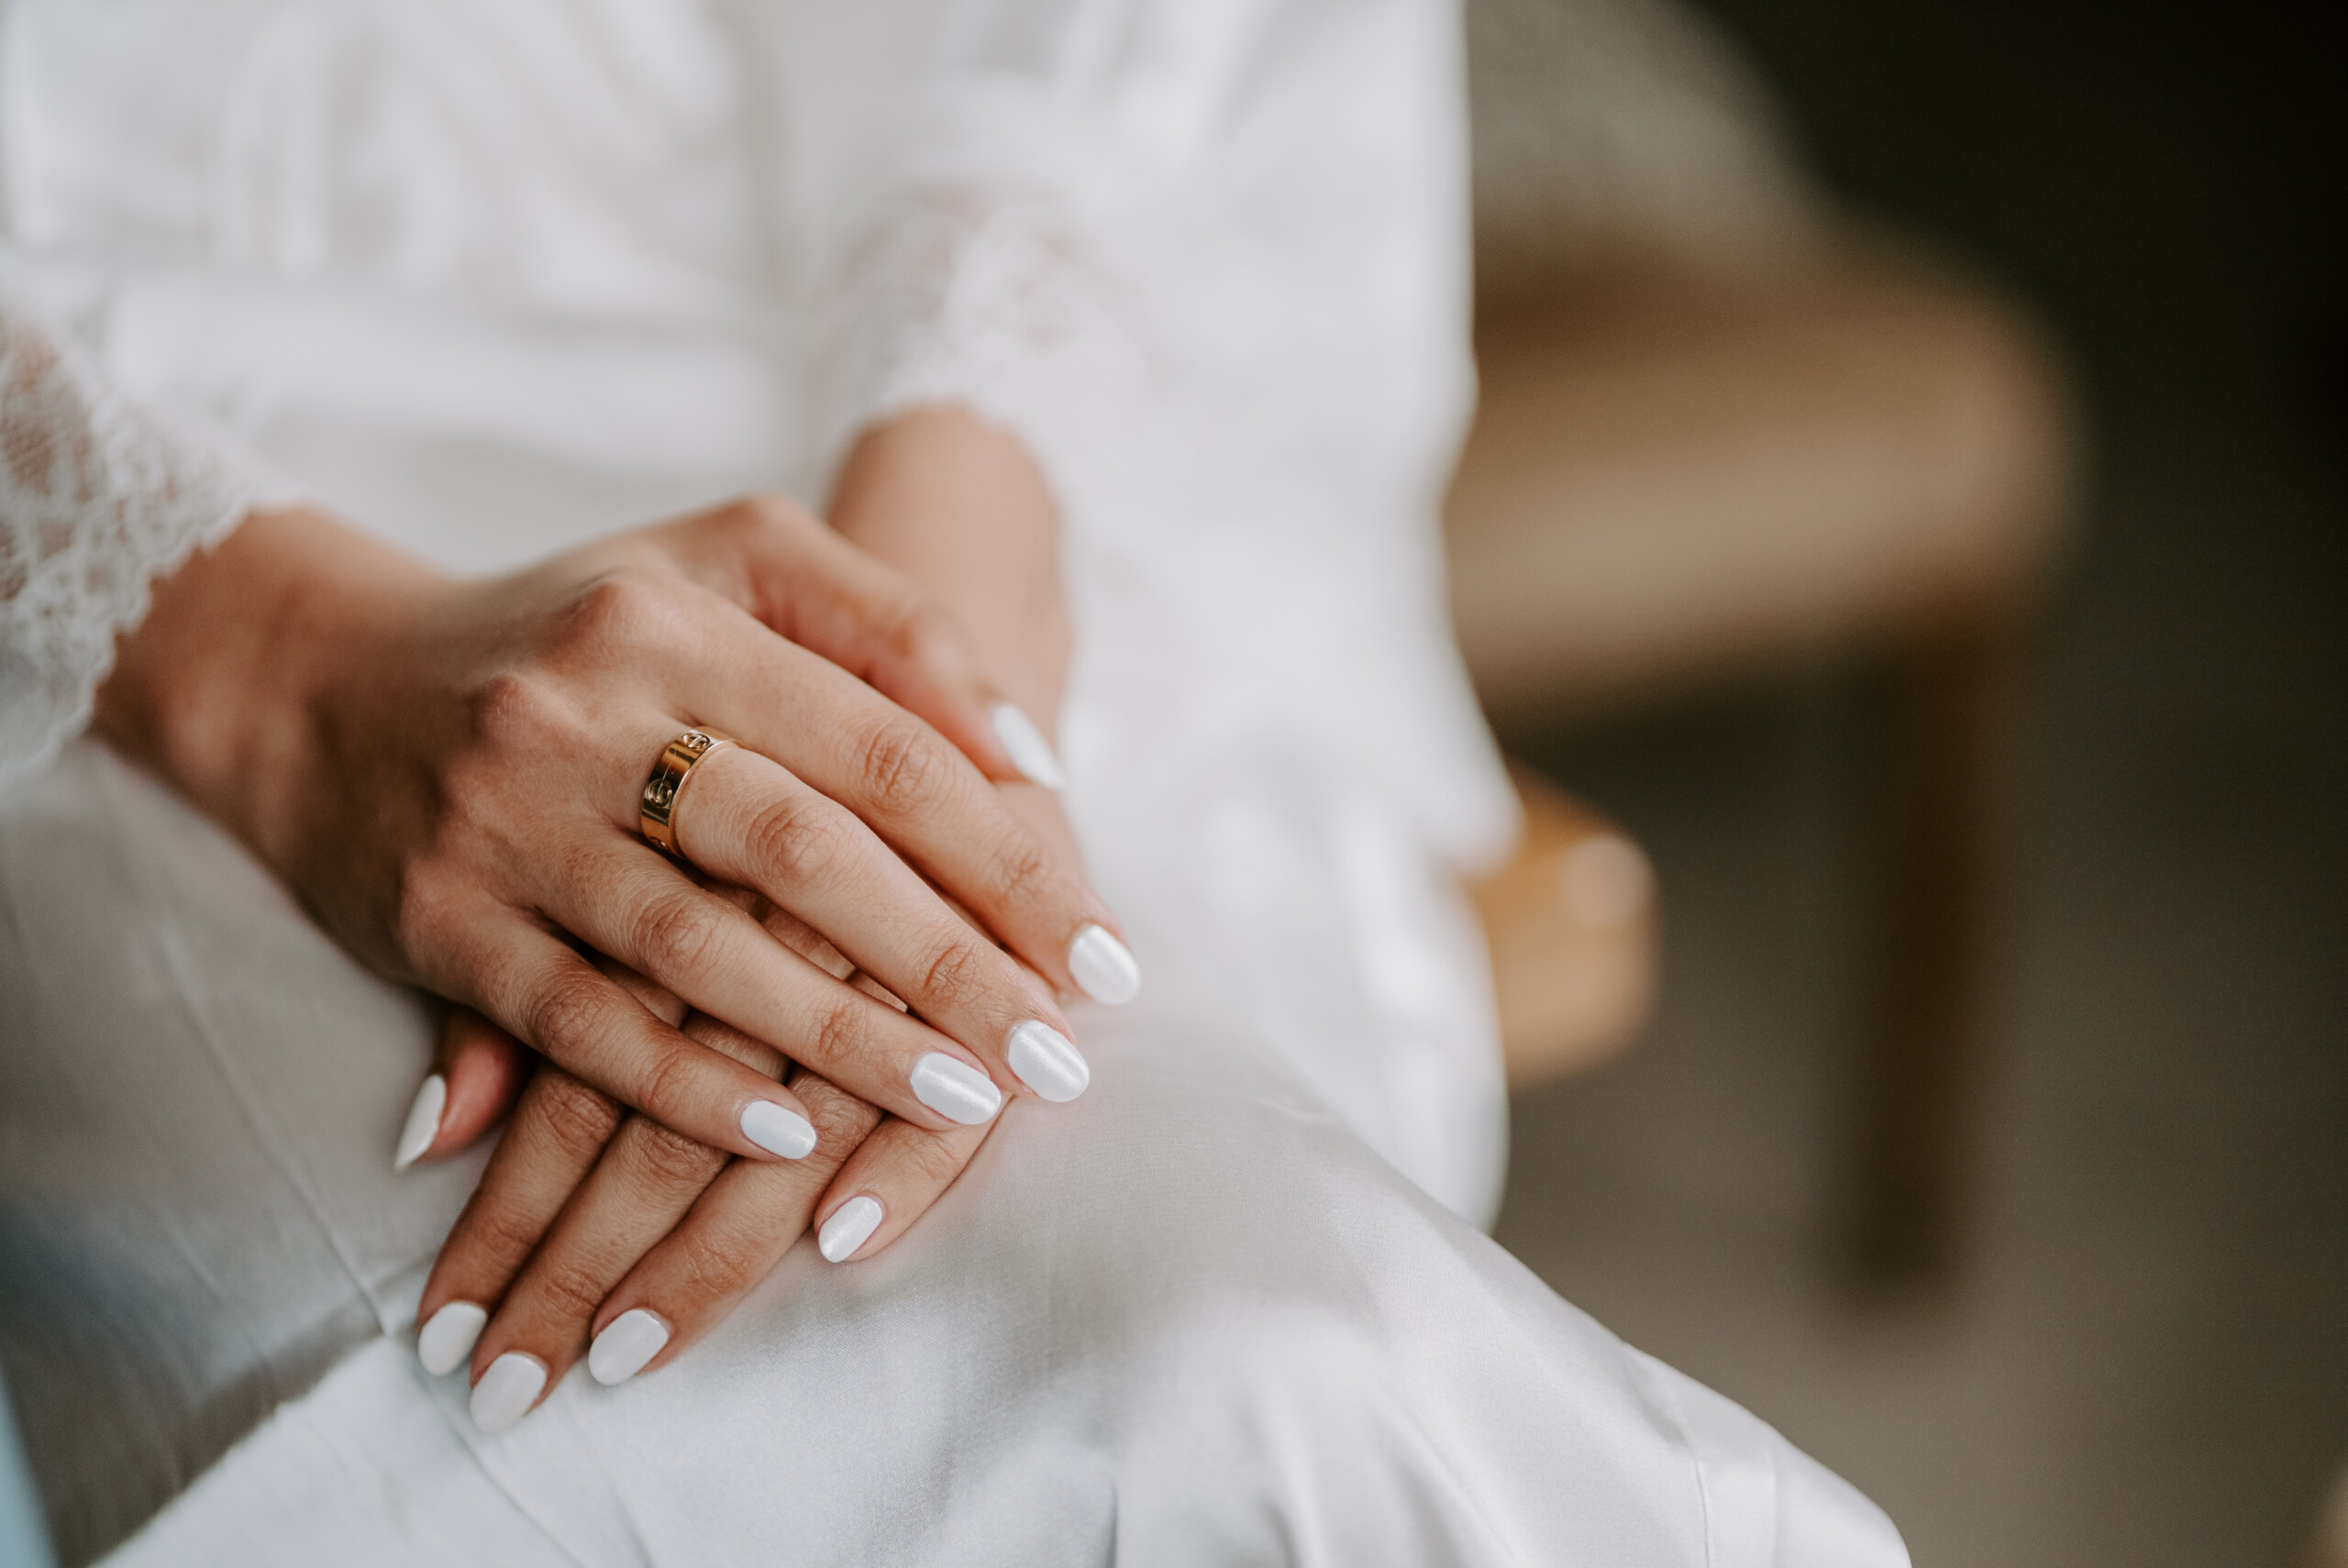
{"points": [[959, 506]]}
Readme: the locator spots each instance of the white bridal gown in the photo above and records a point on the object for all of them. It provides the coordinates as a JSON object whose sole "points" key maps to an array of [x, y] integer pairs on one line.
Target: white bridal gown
{"points": [[488, 278]]}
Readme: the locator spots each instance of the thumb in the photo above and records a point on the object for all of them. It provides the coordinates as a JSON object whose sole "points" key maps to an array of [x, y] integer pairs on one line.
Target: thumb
{"points": [[476, 1075]]}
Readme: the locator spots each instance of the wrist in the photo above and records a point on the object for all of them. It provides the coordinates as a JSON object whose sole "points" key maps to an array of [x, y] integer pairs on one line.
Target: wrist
{"points": [[221, 686], [959, 506]]}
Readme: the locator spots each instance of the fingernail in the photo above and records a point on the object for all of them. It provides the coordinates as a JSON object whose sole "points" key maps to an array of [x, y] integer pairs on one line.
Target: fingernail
{"points": [[626, 1342], [778, 1130], [1103, 966], [850, 1226], [507, 1390], [1029, 751], [423, 1122], [1047, 1061], [443, 1344], [954, 1089]]}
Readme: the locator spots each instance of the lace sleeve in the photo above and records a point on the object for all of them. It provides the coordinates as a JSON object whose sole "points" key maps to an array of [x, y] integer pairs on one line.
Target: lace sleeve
{"points": [[99, 496], [991, 294]]}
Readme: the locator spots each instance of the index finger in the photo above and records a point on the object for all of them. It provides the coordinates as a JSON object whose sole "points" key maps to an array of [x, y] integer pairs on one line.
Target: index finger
{"points": [[923, 796]]}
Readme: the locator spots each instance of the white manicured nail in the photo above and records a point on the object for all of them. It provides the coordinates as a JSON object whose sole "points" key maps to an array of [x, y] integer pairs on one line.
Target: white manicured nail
{"points": [[507, 1390], [1103, 966], [954, 1089], [1030, 752], [423, 1122], [848, 1228], [443, 1344], [1047, 1061], [778, 1130], [626, 1342]]}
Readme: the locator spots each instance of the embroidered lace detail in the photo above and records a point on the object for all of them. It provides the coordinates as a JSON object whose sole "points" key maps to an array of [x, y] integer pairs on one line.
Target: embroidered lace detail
{"points": [[99, 496], [993, 300]]}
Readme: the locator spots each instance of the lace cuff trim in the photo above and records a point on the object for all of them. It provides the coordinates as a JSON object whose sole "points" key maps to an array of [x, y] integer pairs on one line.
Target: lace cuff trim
{"points": [[100, 494], [993, 301]]}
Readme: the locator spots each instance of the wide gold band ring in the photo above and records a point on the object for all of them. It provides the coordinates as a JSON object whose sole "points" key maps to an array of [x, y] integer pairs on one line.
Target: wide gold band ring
{"points": [[656, 807]]}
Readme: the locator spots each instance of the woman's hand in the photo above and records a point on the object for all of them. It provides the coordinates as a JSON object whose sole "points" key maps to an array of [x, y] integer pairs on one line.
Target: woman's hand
{"points": [[593, 1224], [448, 774]]}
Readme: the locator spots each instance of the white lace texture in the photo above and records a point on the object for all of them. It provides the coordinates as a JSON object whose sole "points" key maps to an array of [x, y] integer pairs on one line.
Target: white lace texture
{"points": [[991, 301], [100, 494]]}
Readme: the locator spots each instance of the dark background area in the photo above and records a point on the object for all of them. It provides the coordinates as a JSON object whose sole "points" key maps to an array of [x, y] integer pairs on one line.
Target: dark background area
{"points": [[2142, 1357]]}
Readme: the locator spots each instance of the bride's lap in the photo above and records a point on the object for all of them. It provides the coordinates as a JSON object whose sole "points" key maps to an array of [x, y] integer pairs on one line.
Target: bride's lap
{"points": [[198, 1092], [1188, 1317]]}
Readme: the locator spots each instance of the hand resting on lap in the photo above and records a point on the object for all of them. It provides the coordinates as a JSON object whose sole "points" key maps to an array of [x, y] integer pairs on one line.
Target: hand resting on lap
{"points": [[447, 773], [591, 1219]]}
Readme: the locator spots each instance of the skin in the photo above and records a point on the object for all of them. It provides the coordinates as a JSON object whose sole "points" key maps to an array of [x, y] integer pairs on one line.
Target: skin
{"points": [[446, 773], [589, 1210]]}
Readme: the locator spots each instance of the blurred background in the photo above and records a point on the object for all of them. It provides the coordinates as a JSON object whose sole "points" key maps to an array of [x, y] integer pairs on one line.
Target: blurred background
{"points": [[1910, 501]]}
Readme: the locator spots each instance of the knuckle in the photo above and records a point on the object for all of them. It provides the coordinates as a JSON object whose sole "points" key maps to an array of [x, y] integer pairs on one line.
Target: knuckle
{"points": [[899, 765], [1024, 872], [918, 630], [515, 710], [578, 1118], [798, 836], [674, 934], [496, 1240], [959, 975], [670, 1158], [669, 1081], [568, 1012], [567, 1290], [842, 1032], [936, 1161], [621, 606], [721, 1260], [841, 1120]]}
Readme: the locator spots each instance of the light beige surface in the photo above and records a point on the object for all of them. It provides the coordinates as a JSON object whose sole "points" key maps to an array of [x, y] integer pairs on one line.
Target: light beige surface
{"points": [[1571, 922], [1666, 479]]}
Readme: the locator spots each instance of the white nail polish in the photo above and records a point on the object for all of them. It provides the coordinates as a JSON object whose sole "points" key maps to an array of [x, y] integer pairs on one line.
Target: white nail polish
{"points": [[423, 1122], [507, 1390], [1047, 1061], [954, 1088], [443, 1344], [778, 1130], [626, 1342], [1029, 751], [848, 1228], [1103, 966]]}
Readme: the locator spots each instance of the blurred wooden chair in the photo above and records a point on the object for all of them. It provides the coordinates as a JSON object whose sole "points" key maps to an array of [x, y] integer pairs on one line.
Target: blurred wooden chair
{"points": [[1670, 481]]}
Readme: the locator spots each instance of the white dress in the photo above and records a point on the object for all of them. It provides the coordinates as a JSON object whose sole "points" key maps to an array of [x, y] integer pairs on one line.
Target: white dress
{"points": [[489, 279]]}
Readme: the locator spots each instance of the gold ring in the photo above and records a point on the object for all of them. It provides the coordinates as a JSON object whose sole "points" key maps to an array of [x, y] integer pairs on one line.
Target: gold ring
{"points": [[656, 807]]}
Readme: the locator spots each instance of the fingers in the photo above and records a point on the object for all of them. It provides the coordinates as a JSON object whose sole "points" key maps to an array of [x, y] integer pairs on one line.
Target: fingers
{"points": [[794, 573], [753, 822], [644, 1182], [751, 1216], [477, 1075], [923, 798], [587, 1022], [559, 1132], [890, 1181], [573, 1198], [712, 953]]}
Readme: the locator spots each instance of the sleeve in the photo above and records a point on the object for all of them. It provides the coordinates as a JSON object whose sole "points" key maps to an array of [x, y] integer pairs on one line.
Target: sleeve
{"points": [[983, 261], [1094, 221], [99, 496]]}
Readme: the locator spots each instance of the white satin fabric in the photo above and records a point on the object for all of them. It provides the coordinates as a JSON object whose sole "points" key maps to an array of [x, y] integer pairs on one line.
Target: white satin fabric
{"points": [[1190, 1319], [492, 278]]}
